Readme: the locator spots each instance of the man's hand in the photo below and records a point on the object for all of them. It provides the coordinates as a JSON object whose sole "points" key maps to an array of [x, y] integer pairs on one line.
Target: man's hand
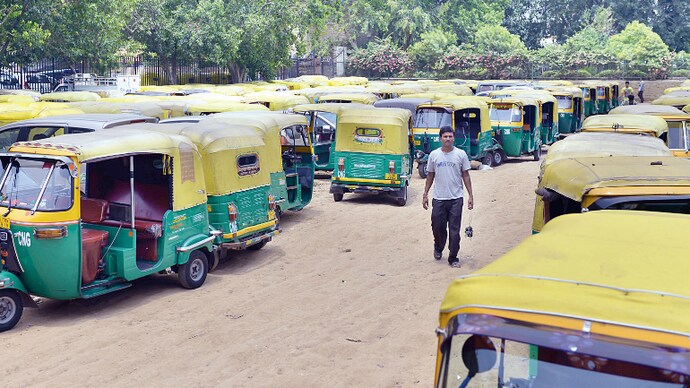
{"points": [[470, 203], [425, 201]]}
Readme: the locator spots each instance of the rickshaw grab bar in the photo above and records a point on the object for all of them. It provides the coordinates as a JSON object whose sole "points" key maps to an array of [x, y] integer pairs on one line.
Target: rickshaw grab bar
{"points": [[196, 244]]}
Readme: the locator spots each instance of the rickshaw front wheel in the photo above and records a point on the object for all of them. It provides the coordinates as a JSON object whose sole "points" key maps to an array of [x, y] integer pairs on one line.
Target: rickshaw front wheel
{"points": [[337, 197], [488, 159], [11, 309], [192, 274], [421, 169]]}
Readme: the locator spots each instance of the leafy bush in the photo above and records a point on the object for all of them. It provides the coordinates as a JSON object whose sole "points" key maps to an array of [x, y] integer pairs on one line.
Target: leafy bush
{"points": [[550, 74], [636, 74], [381, 58], [584, 73], [609, 73], [684, 73]]}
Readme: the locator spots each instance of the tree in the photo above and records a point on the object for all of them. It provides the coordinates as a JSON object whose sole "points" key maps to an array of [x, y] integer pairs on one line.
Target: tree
{"points": [[430, 49], [640, 47], [497, 40], [381, 58], [22, 38]]}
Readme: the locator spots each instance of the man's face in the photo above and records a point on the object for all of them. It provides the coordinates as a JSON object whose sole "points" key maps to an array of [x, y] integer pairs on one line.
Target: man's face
{"points": [[448, 139]]}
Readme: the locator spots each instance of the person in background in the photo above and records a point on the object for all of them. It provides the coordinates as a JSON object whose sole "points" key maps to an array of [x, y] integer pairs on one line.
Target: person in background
{"points": [[640, 91], [448, 167], [628, 94]]}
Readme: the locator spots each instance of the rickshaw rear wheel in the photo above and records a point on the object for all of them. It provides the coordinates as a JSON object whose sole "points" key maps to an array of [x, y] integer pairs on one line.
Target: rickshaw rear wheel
{"points": [[258, 246], [402, 199], [192, 274], [498, 158], [11, 309], [337, 197], [487, 159], [421, 169]]}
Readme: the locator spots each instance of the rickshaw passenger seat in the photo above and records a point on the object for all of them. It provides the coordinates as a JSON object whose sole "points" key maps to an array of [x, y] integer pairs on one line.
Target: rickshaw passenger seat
{"points": [[93, 210]]}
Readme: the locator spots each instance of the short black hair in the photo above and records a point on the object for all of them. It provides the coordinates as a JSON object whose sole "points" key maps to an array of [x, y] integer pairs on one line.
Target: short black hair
{"points": [[627, 82], [445, 129]]}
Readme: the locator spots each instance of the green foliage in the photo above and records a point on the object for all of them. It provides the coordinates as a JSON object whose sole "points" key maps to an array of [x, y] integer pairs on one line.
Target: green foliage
{"points": [[609, 73], [429, 51], [497, 40], [381, 58], [22, 38], [466, 64], [639, 46], [684, 73], [680, 60]]}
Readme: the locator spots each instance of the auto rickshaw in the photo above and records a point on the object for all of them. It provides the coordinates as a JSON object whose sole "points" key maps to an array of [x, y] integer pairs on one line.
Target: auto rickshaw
{"points": [[202, 108], [678, 137], [323, 120], [469, 118], [290, 158], [615, 92], [604, 98], [678, 101], [583, 184], [549, 115], [373, 149], [138, 209], [570, 109], [138, 108], [599, 299], [589, 95], [350, 97], [240, 202], [516, 123], [627, 123], [276, 101]]}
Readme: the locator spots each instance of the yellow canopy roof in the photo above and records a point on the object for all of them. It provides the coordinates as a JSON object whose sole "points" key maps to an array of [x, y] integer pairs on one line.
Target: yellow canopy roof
{"points": [[393, 125], [276, 100], [141, 108], [668, 113], [686, 108], [595, 144], [673, 100], [574, 177], [331, 107], [430, 95], [623, 268], [362, 98], [630, 123], [69, 96], [132, 140], [204, 108]]}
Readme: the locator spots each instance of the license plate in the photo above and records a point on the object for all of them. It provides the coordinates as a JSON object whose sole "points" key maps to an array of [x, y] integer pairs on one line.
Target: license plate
{"points": [[4, 223]]}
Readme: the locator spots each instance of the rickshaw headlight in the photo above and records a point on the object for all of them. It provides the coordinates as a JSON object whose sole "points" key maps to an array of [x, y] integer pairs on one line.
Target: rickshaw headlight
{"points": [[50, 233]]}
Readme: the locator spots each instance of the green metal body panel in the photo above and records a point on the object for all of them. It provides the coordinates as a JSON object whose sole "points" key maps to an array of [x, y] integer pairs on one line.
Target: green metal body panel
{"points": [[324, 156], [52, 267], [299, 182], [252, 209], [359, 165], [516, 141], [549, 133], [566, 124], [12, 282]]}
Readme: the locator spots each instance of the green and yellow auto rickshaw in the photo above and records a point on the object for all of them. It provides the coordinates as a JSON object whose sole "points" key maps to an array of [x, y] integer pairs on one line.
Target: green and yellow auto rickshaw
{"points": [[323, 120], [570, 109], [290, 160], [615, 92], [599, 299], [469, 118], [574, 185], [627, 123], [373, 150], [516, 123], [549, 114], [604, 98], [589, 95], [678, 136], [241, 206], [86, 214], [349, 97]]}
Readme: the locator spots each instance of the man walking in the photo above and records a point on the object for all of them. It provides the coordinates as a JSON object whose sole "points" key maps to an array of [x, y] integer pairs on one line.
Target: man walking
{"points": [[448, 167], [640, 91]]}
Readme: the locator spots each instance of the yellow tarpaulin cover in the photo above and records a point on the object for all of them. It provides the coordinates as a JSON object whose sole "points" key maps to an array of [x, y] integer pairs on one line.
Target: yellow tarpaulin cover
{"points": [[625, 268], [630, 123]]}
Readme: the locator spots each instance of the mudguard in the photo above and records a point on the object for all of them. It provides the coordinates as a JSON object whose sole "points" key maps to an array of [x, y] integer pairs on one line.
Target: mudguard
{"points": [[193, 243], [10, 281]]}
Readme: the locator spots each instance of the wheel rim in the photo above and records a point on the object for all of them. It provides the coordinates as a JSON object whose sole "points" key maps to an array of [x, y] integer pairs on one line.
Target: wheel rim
{"points": [[7, 309], [497, 158], [196, 270]]}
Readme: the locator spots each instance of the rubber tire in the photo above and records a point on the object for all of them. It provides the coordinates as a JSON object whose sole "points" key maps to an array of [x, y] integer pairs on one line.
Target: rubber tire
{"points": [[192, 274], [537, 154], [498, 158], [402, 200], [11, 309], [488, 159], [337, 197], [257, 246], [422, 170]]}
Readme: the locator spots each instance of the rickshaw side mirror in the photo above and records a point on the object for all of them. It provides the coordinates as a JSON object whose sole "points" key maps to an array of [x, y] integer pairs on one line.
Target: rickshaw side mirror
{"points": [[479, 354]]}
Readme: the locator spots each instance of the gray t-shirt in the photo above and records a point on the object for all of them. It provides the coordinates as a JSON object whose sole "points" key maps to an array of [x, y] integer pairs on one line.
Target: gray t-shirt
{"points": [[448, 167]]}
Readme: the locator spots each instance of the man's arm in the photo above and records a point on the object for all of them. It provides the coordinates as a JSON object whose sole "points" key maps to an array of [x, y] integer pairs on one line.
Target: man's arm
{"points": [[429, 182], [468, 185]]}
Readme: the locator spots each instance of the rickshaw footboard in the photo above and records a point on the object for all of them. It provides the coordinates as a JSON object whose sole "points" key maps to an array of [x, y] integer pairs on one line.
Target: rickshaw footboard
{"points": [[341, 189]]}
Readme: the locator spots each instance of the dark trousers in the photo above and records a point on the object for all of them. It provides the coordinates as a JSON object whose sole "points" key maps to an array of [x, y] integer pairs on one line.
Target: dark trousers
{"points": [[446, 216], [641, 95]]}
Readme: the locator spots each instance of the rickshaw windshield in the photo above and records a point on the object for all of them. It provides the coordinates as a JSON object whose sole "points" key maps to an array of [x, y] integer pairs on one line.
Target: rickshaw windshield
{"points": [[432, 118], [485, 350], [600, 92], [43, 185], [506, 113], [564, 102]]}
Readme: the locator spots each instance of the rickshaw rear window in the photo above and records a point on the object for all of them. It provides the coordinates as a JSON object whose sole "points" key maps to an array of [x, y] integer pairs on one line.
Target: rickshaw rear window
{"points": [[368, 132], [247, 164], [432, 118], [505, 113], [564, 102]]}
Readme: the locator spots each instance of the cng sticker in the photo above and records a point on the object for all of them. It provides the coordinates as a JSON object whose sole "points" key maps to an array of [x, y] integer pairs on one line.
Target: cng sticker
{"points": [[23, 238]]}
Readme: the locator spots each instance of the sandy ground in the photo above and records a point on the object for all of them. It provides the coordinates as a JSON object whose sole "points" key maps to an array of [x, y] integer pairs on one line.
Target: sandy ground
{"points": [[348, 295]]}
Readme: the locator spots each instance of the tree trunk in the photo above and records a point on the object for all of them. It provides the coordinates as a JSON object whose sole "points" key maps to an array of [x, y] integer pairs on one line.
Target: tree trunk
{"points": [[169, 66], [237, 74]]}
